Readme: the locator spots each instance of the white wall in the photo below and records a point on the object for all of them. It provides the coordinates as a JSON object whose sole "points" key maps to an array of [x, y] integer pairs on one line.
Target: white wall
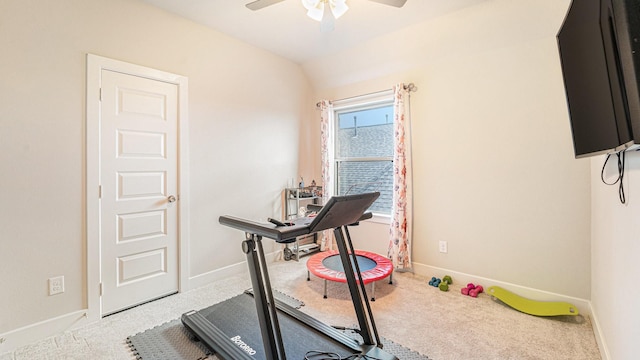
{"points": [[494, 171], [615, 250], [494, 168], [245, 107]]}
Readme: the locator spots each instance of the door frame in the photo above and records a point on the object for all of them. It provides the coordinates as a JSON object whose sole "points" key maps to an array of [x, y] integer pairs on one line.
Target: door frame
{"points": [[95, 65]]}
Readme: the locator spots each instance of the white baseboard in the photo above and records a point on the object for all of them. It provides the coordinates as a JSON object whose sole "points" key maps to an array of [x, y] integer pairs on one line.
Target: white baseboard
{"points": [[29, 334], [215, 275], [225, 272], [583, 305], [602, 345]]}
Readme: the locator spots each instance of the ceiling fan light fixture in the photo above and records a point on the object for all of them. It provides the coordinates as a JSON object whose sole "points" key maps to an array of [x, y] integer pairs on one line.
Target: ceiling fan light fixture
{"points": [[316, 8], [338, 7], [328, 21]]}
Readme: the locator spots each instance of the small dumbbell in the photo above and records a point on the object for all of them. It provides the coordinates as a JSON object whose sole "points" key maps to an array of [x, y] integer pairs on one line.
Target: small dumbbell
{"points": [[435, 281], [465, 290], [475, 291], [446, 281]]}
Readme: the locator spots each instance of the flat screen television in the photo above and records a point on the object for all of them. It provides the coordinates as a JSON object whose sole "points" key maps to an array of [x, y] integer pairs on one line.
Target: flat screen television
{"points": [[599, 49]]}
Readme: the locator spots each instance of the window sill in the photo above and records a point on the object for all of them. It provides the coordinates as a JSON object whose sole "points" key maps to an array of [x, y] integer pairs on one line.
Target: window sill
{"points": [[381, 218]]}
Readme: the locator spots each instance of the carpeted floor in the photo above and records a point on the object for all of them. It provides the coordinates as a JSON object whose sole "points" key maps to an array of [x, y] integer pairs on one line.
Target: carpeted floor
{"points": [[441, 325], [448, 325]]}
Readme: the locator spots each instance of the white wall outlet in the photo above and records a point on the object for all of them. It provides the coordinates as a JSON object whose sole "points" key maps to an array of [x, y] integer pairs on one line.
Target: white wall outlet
{"points": [[443, 246], [56, 285]]}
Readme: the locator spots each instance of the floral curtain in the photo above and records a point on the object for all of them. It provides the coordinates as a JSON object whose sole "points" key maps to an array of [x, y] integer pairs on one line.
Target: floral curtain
{"points": [[401, 214], [327, 149]]}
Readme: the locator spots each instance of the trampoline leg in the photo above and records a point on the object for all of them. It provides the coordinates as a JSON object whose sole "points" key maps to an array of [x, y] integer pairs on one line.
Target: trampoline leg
{"points": [[391, 278], [373, 291], [308, 276], [325, 289]]}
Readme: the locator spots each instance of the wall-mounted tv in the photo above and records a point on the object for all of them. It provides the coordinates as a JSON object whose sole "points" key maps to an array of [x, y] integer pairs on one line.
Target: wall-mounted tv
{"points": [[599, 44]]}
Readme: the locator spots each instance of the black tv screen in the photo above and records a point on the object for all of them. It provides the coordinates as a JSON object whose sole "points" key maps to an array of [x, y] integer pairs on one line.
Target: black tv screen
{"points": [[596, 44]]}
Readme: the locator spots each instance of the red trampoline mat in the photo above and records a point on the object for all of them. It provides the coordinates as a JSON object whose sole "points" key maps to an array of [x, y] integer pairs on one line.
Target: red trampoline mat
{"points": [[383, 267]]}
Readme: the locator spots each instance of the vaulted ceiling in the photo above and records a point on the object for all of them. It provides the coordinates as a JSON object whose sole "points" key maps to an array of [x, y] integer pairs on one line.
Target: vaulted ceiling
{"points": [[284, 28]]}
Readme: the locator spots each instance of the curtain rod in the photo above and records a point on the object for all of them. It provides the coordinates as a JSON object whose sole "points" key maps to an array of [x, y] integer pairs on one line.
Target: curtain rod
{"points": [[410, 87]]}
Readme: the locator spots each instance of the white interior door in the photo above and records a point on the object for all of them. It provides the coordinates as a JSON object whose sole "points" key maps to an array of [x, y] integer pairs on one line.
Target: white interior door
{"points": [[138, 182]]}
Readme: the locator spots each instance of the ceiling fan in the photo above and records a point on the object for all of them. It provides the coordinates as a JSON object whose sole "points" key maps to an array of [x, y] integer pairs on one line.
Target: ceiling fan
{"points": [[325, 11], [259, 4]]}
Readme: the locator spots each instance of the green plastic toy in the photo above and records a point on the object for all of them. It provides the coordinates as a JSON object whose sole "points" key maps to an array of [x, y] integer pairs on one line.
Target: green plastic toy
{"points": [[532, 307]]}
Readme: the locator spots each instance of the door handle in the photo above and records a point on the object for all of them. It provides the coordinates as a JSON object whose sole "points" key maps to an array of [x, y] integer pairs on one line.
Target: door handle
{"points": [[171, 199]]}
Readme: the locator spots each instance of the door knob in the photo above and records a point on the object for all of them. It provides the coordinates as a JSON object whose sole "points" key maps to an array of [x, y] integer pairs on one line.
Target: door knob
{"points": [[171, 198]]}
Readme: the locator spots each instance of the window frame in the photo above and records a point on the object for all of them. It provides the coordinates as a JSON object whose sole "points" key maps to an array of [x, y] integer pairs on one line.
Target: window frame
{"points": [[360, 103]]}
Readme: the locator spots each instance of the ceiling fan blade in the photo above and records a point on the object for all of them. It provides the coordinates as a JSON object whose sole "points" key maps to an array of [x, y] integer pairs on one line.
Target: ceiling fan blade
{"points": [[259, 4], [396, 3]]}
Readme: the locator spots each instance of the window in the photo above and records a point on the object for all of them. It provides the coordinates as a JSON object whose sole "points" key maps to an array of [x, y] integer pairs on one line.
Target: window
{"points": [[364, 151]]}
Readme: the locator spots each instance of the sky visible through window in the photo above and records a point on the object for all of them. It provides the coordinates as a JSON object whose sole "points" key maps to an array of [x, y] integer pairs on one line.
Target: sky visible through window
{"points": [[369, 117]]}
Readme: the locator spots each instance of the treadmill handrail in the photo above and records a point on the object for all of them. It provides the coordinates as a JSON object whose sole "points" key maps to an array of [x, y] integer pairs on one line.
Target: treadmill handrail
{"points": [[338, 211], [342, 210], [279, 234]]}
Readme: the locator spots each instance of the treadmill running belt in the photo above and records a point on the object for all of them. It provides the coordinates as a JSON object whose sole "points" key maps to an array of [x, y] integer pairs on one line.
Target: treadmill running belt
{"points": [[237, 318]]}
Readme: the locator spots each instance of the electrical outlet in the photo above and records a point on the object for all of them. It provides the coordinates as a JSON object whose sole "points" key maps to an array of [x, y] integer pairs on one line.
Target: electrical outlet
{"points": [[56, 285], [443, 246]]}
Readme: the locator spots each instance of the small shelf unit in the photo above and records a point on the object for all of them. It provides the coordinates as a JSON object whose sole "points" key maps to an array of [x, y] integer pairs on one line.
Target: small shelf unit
{"points": [[294, 199]]}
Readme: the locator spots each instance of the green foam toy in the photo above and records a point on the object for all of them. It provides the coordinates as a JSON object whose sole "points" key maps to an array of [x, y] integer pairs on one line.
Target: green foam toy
{"points": [[532, 307]]}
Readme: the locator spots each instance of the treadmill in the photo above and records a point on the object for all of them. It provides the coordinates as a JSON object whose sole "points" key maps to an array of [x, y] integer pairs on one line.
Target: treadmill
{"points": [[256, 326]]}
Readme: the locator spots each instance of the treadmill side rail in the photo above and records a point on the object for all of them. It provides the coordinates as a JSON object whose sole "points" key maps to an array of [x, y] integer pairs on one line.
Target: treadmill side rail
{"points": [[209, 334], [374, 352], [319, 326]]}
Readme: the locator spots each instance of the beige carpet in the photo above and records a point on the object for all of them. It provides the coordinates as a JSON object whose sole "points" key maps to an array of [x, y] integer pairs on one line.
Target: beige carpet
{"points": [[409, 312], [444, 325]]}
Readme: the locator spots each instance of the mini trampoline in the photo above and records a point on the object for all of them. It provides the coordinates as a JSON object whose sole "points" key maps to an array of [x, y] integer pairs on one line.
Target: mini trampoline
{"points": [[328, 266]]}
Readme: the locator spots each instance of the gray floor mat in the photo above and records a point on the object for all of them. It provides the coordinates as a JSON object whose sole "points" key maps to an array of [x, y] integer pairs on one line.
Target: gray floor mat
{"points": [[172, 341], [169, 341]]}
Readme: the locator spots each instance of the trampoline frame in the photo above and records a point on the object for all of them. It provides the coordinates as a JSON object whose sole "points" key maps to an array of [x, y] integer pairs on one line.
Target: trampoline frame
{"points": [[383, 269]]}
